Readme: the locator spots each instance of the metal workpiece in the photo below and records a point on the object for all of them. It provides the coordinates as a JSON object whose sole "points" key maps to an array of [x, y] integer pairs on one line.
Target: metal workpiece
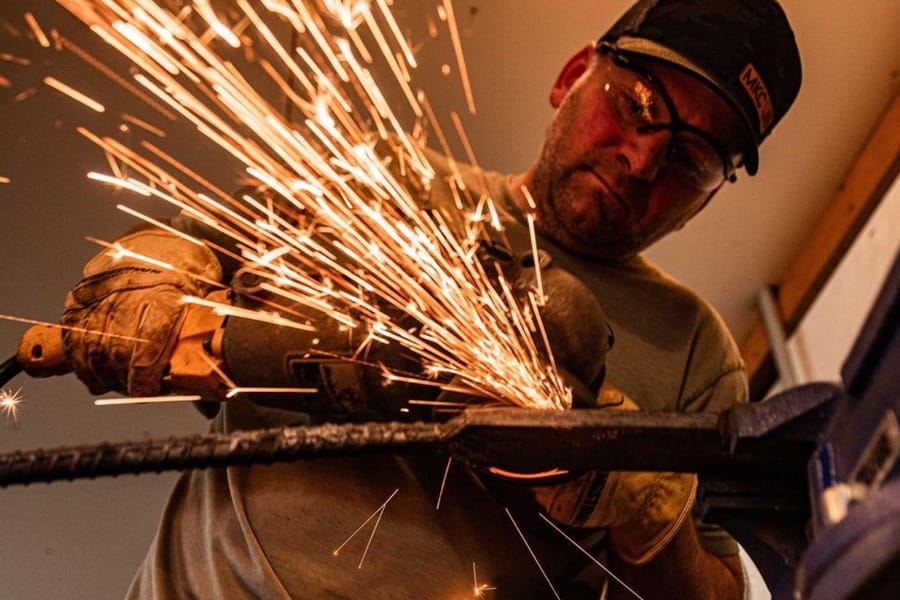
{"points": [[720, 447], [261, 446], [751, 460], [775, 437]]}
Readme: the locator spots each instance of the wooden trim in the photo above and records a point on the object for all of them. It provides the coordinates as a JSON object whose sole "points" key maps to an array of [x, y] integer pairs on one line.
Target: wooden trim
{"points": [[858, 195]]}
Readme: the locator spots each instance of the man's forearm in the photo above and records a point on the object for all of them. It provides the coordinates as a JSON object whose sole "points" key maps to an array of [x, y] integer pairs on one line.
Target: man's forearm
{"points": [[682, 570]]}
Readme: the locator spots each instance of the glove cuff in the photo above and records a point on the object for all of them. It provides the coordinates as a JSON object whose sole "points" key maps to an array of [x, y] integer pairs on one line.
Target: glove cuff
{"points": [[645, 510]]}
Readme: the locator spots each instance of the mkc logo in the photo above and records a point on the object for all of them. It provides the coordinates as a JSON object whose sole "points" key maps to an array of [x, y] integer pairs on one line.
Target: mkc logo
{"points": [[756, 88]]}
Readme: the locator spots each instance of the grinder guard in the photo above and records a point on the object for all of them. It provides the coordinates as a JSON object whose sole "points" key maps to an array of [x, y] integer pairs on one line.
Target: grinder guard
{"points": [[351, 387]]}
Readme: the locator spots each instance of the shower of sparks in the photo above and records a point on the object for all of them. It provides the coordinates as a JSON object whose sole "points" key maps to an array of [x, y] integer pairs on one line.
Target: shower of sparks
{"points": [[9, 403], [74, 94], [375, 515], [346, 236], [589, 555], [533, 556]]}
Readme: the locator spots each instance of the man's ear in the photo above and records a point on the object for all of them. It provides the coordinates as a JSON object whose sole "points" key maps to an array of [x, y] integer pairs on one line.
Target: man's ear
{"points": [[570, 73]]}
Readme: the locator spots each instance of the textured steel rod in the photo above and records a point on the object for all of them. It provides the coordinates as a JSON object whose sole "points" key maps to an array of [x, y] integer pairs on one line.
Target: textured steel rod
{"points": [[261, 446]]}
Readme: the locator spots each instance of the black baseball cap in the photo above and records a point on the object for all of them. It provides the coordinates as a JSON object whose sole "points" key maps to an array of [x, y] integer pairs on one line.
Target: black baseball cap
{"points": [[744, 49]]}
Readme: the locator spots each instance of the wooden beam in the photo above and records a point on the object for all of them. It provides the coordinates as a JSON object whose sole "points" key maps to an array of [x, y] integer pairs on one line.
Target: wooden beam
{"points": [[858, 195]]}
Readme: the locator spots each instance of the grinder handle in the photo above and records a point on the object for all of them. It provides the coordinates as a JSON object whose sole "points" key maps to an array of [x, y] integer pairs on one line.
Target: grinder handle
{"points": [[42, 352]]}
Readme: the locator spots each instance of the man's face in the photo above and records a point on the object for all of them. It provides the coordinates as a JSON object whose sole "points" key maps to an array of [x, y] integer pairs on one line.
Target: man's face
{"points": [[604, 189]]}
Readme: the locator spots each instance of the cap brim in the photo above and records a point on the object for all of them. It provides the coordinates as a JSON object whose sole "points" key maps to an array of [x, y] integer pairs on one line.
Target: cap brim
{"points": [[645, 47]]}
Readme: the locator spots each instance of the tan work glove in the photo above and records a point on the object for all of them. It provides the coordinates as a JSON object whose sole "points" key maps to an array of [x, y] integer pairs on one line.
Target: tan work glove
{"points": [[132, 298], [642, 510]]}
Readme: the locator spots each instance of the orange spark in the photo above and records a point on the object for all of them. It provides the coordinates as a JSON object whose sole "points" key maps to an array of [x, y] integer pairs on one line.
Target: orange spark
{"points": [[69, 328], [128, 86], [39, 34], [375, 515], [7, 57], [9, 403], [479, 588], [236, 391], [533, 556], [460, 58], [74, 94], [143, 125], [144, 400], [589, 555], [441, 496], [25, 95]]}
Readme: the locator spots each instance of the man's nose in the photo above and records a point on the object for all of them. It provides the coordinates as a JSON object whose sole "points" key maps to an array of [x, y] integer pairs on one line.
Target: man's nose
{"points": [[642, 154]]}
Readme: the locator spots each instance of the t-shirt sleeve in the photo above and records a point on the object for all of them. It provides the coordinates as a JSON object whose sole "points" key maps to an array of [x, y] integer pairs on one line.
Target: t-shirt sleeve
{"points": [[716, 377]]}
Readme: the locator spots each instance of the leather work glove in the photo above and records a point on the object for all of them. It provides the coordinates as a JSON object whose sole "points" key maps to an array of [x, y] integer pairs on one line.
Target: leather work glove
{"points": [[573, 319], [642, 510], [132, 298]]}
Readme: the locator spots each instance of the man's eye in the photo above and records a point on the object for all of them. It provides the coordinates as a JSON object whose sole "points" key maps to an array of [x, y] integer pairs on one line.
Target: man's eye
{"points": [[636, 108], [687, 155], [694, 163]]}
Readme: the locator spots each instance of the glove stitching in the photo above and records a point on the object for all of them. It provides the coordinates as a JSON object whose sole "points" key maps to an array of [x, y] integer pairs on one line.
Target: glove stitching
{"points": [[96, 288]]}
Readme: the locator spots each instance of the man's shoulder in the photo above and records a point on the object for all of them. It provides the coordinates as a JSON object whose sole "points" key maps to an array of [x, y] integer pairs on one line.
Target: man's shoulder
{"points": [[650, 288], [660, 321]]}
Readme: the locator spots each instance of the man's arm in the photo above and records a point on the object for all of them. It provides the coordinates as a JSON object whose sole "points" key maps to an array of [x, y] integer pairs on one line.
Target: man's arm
{"points": [[683, 569]]}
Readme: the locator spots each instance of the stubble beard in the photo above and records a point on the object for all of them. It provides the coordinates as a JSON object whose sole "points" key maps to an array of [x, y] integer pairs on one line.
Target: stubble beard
{"points": [[557, 199]]}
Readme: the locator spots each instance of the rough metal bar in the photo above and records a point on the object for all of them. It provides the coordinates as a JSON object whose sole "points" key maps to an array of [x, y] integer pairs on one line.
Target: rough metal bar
{"points": [[768, 442], [210, 450]]}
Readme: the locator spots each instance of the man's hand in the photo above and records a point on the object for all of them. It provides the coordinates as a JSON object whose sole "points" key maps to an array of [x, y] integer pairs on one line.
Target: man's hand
{"points": [[642, 510], [123, 317], [653, 542]]}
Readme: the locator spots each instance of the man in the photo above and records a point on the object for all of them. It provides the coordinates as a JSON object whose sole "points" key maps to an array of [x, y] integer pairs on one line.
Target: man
{"points": [[650, 123]]}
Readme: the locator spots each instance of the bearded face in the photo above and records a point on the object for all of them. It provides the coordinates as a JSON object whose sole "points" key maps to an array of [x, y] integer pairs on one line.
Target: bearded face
{"points": [[603, 189]]}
